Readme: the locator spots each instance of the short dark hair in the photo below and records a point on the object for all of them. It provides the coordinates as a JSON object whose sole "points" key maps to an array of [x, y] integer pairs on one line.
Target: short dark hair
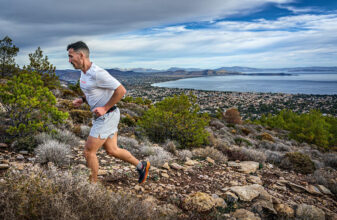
{"points": [[79, 46]]}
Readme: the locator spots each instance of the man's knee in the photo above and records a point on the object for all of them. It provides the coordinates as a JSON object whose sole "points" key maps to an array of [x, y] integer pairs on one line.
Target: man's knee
{"points": [[88, 151]]}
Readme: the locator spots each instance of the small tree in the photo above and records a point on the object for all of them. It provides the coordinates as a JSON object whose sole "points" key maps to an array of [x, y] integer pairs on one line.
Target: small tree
{"points": [[41, 65], [176, 118], [7, 53], [30, 105]]}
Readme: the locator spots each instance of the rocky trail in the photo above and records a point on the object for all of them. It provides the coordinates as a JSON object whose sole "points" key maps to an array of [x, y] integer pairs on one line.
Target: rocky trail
{"points": [[205, 189]]}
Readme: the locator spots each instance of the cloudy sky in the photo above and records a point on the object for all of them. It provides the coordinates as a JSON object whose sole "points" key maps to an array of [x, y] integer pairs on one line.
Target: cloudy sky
{"points": [[176, 33]]}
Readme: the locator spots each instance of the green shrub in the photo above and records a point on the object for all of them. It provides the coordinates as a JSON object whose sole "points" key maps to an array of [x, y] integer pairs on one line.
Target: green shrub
{"points": [[76, 88], [30, 105], [298, 162], [312, 127], [128, 120], [242, 141], [68, 94], [265, 137], [81, 116], [137, 100], [176, 118]]}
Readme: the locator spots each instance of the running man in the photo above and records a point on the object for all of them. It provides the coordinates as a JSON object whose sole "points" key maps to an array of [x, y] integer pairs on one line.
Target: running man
{"points": [[102, 93]]}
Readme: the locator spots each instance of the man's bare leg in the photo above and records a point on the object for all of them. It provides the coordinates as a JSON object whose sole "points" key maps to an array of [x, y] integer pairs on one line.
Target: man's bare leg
{"points": [[113, 150], [90, 150]]}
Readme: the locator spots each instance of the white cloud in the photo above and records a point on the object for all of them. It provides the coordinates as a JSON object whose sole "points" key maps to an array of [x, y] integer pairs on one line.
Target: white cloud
{"points": [[114, 30], [221, 45]]}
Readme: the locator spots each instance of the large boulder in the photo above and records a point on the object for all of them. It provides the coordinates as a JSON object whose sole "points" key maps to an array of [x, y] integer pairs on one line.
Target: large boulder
{"points": [[245, 166], [250, 192]]}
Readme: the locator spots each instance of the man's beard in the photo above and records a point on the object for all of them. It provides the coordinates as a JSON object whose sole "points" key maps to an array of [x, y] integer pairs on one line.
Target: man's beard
{"points": [[74, 66]]}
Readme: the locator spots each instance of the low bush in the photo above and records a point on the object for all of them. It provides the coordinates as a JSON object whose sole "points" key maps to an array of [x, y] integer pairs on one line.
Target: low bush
{"points": [[327, 177], [81, 116], [130, 144], [232, 116], [68, 94], [312, 127], [244, 154], [53, 151], [330, 160], [246, 131], [51, 194], [209, 152], [63, 136], [267, 145], [176, 118], [156, 155], [24, 143], [170, 146], [265, 136], [128, 120], [242, 141], [298, 162], [273, 157], [184, 154]]}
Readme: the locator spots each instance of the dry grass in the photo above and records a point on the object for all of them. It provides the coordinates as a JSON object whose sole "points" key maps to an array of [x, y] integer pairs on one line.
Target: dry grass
{"points": [[210, 152], [51, 194], [273, 157], [53, 151], [327, 177], [63, 136], [184, 154], [330, 160], [170, 146], [129, 144], [157, 155]]}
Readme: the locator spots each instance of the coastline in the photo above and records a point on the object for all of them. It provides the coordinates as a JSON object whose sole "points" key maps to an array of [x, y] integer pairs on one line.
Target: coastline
{"points": [[250, 104]]}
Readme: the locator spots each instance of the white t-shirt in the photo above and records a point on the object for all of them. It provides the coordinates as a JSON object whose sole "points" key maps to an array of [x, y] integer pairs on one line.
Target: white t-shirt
{"points": [[98, 86]]}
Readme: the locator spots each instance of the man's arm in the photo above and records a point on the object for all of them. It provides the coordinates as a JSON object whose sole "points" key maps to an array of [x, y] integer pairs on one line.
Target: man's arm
{"points": [[115, 98]]}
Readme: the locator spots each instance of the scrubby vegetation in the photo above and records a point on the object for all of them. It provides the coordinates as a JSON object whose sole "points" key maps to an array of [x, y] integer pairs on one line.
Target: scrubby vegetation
{"points": [[176, 118], [298, 162], [312, 127], [29, 105], [171, 131], [26, 97], [37, 193]]}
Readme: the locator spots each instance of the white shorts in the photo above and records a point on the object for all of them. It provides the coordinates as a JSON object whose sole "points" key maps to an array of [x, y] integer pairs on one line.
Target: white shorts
{"points": [[106, 125]]}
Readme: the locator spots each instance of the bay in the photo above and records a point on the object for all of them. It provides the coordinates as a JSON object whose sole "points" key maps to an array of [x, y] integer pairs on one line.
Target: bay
{"points": [[303, 83]]}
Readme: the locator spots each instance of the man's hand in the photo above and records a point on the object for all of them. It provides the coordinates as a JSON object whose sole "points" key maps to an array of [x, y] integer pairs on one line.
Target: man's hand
{"points": [[99, 111], [77, 102]]}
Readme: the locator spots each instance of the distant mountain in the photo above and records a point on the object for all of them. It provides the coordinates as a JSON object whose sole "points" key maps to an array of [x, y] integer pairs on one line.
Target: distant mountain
{"points": [[186, 69], [139, 70], [273, 70], [73, 75]]}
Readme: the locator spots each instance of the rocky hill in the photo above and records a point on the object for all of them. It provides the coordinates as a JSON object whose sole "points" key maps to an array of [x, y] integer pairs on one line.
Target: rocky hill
{"points": [[245, 172]]}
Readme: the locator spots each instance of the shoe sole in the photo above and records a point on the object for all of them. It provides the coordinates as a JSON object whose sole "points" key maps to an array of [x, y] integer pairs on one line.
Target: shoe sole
{"points": [[146, 172]]}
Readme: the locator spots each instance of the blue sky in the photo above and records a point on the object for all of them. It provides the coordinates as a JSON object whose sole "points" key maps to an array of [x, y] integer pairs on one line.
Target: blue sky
{"points": [[178, 33]]}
